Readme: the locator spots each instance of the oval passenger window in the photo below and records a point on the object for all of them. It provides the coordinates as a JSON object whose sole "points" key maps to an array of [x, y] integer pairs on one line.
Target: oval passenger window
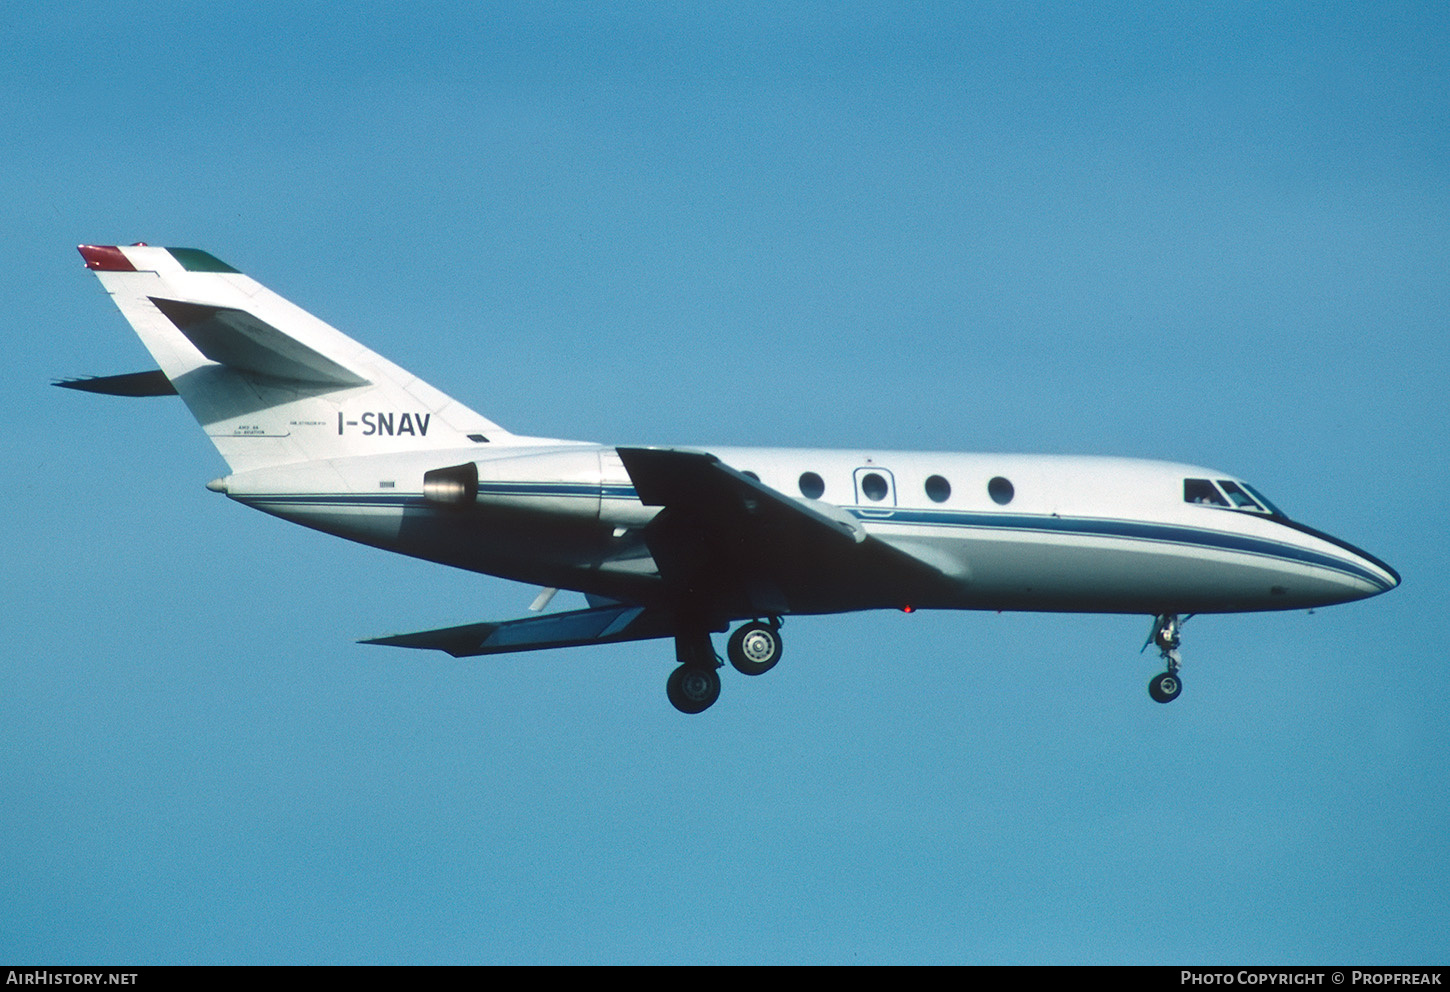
{"points": [[1000, 490], [812, 486], [874, 487]]}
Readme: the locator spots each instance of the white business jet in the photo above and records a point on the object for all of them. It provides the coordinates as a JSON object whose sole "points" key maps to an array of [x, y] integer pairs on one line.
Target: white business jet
{"points": [[684, 542]]}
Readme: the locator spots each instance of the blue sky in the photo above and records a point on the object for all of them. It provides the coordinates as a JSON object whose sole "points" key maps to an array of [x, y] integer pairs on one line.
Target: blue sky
{"points": [[1215, 234]]}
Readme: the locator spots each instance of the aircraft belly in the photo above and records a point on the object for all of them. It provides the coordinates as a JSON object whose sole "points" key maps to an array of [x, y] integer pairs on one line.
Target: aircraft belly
{"points": [[567, 552], [949, 554], [984, 567], [554, 550], [368, 523], [1108, 574]]}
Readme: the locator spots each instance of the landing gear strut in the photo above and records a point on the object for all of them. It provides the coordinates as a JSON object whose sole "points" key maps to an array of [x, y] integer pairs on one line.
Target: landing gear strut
{"points": [[1166, 634], [695, 685]]}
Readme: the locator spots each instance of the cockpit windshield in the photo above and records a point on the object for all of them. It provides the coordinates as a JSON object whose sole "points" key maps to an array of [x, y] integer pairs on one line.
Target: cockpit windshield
{"points": [[1202, 491], [1240, 499], [1265, 503], [1229, 495]]}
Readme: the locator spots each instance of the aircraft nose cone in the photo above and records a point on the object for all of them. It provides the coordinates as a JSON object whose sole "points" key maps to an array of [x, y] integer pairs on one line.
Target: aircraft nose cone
{"points": [[1391, 577], [1379, 575], [1361, 574]]}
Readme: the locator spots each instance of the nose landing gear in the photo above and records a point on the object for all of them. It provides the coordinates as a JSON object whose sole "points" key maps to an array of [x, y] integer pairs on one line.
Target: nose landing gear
{"points": [[1165, 687], [1166, 634]]}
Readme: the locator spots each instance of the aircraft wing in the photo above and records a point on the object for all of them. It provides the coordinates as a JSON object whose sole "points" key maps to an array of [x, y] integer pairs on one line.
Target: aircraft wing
{"points": [[601, 625], [725, 543], [727, 546]]}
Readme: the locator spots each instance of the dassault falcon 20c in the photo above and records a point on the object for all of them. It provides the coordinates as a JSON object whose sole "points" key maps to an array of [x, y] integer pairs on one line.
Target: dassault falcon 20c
{"points": [[684, 542]]}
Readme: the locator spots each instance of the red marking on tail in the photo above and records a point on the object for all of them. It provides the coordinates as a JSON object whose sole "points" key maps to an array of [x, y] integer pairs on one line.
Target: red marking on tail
{"points": [[105, 258]]}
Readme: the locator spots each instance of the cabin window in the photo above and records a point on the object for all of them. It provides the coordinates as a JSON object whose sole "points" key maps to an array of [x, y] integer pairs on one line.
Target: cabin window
{"points": [[874, 487], [938, 489], [812, 485], [1001, 491], [1202, 491]]}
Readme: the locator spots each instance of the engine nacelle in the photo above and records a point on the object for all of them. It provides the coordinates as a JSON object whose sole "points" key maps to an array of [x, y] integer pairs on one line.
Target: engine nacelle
{"points": [[456, 485], [583, 482]]}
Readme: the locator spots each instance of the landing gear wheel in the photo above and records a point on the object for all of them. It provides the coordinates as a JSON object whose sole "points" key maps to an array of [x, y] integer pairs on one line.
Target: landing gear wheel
{"points": [[754, 648], [1167, 636], [1165, 687], [693, 688]]}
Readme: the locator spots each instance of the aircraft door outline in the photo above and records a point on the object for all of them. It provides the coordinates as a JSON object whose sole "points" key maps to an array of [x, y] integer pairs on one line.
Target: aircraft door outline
{"points": [[875, 490]]}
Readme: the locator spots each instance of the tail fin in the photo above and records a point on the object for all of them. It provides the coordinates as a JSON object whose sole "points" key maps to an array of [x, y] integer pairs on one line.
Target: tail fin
{"points": [[270, 383]]}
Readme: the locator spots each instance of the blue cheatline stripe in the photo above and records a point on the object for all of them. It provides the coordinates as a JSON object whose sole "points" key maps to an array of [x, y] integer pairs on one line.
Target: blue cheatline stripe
{"points": [[1156, 533], [563, 489], [537, 489]]}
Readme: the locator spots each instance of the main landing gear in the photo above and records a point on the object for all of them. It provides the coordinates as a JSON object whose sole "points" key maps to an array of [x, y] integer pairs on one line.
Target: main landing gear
{"points": [[693, 688], [695, 685], [755, 647], [1166, 634]]}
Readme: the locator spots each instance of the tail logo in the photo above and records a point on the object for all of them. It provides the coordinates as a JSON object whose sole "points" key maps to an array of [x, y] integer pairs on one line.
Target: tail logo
{"points": [[391, 424]]}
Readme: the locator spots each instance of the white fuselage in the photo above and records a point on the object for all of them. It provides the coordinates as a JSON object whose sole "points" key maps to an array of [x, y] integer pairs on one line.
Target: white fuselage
{"points": [[682, 543], [1011, 532]]}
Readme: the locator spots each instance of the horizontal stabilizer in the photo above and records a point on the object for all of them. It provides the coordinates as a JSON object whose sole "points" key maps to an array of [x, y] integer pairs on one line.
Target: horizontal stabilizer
{"points": [[270, 383], [603, 625], [153, 383], [244, 342]]}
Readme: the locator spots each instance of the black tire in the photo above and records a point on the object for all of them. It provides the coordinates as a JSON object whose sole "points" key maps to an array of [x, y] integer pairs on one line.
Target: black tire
{"points": [[1165, 687], [754, 648], [693, 688]]}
